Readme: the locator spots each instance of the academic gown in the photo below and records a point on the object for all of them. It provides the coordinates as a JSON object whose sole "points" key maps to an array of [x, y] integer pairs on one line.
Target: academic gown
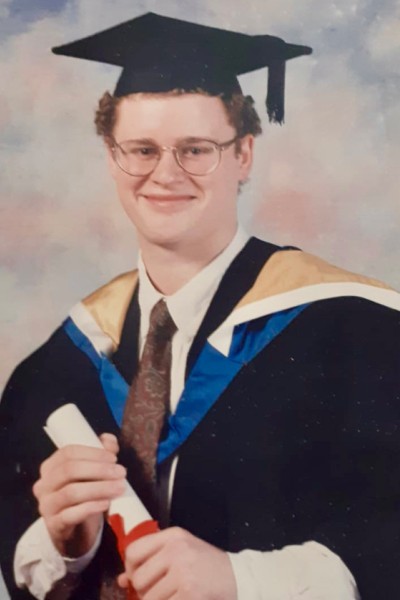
{"points": [[287, 429]]}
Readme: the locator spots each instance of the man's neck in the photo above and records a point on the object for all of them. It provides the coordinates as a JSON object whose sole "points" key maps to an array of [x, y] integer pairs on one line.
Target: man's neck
{"points": [[170, 268]]}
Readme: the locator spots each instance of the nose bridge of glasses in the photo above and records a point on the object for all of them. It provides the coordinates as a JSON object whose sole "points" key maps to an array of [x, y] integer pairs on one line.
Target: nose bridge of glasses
{"points": [[168, 165], [172, 150]]}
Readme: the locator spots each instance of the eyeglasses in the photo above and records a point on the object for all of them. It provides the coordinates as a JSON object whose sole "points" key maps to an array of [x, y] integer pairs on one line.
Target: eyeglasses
{"points": [[195, 156]]}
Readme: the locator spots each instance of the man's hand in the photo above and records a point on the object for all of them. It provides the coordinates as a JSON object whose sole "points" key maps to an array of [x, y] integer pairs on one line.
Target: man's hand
{"points": [[173, 564], [74, 490]]}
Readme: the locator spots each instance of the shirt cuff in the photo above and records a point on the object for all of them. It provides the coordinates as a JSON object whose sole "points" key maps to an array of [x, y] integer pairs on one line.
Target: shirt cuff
{"points": [[38, 565], [304, 572], [77, 565]]}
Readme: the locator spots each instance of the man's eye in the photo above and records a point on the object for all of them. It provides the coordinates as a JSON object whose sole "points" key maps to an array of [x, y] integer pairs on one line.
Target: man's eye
{"points": [[147, 151], [141, 151], [196, 150]]}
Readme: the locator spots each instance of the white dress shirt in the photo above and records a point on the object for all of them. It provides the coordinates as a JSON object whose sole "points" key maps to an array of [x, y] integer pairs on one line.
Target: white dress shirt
{"points": [[303, 572]]}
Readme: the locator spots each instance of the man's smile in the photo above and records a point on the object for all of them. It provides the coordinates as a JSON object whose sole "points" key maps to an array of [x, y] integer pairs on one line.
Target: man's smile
{"points": [[168, 201]]}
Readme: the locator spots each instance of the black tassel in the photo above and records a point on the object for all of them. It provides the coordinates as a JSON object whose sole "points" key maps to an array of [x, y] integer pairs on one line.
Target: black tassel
{"points": [[276, 91]]}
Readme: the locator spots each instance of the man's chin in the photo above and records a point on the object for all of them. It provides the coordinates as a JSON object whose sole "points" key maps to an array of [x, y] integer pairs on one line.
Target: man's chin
{"points": [[166, 239]]}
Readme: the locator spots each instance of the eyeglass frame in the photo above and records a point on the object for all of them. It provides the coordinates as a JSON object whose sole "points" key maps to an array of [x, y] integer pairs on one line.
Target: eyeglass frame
{"points": [[174, 149]]}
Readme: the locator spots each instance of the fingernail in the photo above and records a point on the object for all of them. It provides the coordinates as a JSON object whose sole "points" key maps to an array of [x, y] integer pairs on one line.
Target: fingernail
{"points": [[119, 471], [120, 487]]}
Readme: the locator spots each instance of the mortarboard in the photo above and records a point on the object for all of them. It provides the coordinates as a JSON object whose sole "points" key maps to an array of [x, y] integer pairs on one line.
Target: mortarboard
{"points": [[159, 54]]}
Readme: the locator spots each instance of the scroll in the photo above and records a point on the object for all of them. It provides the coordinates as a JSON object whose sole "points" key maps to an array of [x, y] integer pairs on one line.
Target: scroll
{"points": [[127, 515]]}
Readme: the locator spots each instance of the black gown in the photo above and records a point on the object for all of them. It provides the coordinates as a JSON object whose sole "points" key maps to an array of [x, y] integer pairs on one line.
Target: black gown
{"points": [[300, 443]]}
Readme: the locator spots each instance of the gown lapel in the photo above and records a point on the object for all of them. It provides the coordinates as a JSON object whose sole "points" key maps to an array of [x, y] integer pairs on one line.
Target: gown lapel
{"points": [[236, 281], [238, 278], [126, 357]]}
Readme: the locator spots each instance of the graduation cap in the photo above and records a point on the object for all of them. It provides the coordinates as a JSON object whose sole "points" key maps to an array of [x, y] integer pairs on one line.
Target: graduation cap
{"points": [[159, 54]]}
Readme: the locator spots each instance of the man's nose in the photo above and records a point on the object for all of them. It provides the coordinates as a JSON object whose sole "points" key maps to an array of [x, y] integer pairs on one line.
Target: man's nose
{"points": [[167, 169]]}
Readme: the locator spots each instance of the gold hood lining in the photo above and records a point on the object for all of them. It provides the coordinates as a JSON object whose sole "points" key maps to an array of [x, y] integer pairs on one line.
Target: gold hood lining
{"points": [[108, 305], [290, 270]]}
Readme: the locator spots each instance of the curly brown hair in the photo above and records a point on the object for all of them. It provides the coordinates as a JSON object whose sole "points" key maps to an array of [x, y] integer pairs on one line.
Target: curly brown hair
{"points": [[239, 109]]}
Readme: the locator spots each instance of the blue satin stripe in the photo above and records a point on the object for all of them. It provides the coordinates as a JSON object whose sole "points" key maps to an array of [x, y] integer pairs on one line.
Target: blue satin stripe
{"points": [[213, 372], [114, 385], [82, 342], [210, 375], [250, 338], [115, 389]]}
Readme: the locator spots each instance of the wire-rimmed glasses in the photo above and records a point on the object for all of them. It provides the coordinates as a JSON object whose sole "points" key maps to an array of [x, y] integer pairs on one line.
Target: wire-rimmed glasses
{"points": [[196, 156]]}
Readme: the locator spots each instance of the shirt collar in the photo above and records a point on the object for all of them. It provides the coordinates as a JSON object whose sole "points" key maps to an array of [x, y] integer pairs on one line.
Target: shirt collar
{"points": [[189, 304]]}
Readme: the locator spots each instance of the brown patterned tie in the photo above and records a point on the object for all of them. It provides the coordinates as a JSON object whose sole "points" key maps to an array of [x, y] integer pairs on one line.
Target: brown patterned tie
{"points": [[144, 416], [148, 399]]}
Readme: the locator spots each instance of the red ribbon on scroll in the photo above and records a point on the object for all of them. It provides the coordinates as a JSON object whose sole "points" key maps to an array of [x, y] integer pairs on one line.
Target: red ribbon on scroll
{"points": [[124, 539]]}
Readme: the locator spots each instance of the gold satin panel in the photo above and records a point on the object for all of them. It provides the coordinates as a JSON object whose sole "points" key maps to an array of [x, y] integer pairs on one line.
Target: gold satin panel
{"points": [[108, 304], [290, 270]]}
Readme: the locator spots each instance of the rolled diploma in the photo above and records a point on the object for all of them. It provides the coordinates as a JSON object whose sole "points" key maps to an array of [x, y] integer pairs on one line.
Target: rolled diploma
{"points": [[66, 426]]}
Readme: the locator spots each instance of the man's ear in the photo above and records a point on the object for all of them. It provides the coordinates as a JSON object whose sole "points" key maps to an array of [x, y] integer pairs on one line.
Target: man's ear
{"points": [[245, 156], [112, 165]]}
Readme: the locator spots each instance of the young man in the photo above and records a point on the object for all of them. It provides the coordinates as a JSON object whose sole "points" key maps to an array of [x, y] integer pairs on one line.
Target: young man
{"points": [[280, 372]]}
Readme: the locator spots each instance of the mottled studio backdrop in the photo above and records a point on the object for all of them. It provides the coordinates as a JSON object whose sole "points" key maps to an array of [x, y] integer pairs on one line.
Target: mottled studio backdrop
{"points": [[327, 181]]}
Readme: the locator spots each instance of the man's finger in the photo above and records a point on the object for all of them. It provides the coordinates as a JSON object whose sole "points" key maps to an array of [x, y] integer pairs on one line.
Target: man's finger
{"points": [[75, 515], [149, 573], [141, 550], [148, 546], [70, 471], [78, 493], [110, 442], [123, 580], [165, 589], [75, 452]]}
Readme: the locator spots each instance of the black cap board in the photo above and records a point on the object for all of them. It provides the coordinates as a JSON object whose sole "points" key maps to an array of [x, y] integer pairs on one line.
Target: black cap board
{"points": [[159, 54]]}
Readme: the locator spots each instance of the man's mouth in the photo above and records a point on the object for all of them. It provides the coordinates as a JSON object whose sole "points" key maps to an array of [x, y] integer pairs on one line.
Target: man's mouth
{"points": [[165, 198], [168, 202]]}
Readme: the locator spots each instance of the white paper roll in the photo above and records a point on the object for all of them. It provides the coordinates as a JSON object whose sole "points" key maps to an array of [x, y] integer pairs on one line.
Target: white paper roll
{"points": [[66, 426]]}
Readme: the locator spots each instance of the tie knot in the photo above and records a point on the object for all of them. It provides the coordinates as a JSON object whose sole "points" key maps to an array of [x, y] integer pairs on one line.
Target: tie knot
{"points": [[161, 323]]}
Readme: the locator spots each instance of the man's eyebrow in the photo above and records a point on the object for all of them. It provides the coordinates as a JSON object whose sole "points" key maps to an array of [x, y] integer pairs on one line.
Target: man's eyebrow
{"points": [[139, 141], [192, 139], [184, 140]]}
